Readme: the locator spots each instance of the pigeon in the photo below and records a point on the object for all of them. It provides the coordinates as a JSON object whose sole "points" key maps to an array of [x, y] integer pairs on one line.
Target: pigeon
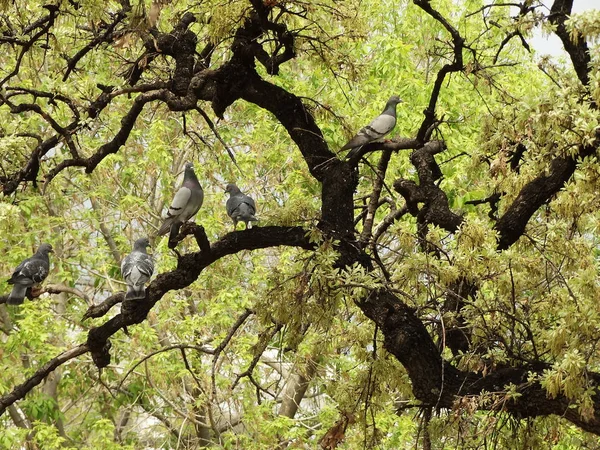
{"points": [[378, 128], [137, 268], [185, 204], [240, 207], [30, 272]]}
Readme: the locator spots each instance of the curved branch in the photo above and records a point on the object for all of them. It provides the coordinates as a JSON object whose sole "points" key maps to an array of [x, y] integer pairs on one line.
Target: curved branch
{"points": [[45, 23], [577, 49], [458, 44], [127, 123], [59, 288], [533, 195], [435, 382], [102, 308], [188, 269], [31, 169], [107, 36], [21, 390]]}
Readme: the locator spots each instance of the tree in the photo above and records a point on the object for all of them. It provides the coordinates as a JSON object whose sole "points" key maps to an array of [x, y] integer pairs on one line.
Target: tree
{"points": [[448, 274]]}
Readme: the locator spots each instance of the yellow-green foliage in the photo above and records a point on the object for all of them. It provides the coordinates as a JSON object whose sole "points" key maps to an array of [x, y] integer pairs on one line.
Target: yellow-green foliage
{"points": [[537, 300]]}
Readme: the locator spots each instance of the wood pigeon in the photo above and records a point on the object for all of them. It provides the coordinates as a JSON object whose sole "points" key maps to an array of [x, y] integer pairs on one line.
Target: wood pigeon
{"points": [[378, 128], [30, 272], [137, 268], [240, 207]]}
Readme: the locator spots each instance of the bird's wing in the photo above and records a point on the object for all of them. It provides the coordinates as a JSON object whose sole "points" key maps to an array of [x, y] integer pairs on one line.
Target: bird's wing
{"points": [[250, 202], [232, 204], [179, 202], [126, 266], [193, 204], [32, 269], [145, 264], [139, 262], [245, 212], [17, 271], [241, 207], [379, 127]]}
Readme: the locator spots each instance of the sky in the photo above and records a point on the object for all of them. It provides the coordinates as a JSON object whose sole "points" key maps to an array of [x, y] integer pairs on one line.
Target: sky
{"points": [[551, 45]]}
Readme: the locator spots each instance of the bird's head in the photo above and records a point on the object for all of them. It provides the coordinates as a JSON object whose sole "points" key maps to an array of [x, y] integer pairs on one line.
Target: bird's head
{"points": [[232, 189], [45, 248], [142, 243], [394, 100]]}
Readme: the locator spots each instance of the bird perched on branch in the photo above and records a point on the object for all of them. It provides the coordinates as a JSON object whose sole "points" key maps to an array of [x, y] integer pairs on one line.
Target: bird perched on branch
{"points": [[185, 204], [240, 207], [30, 272], [137, 268], [378, 128]]}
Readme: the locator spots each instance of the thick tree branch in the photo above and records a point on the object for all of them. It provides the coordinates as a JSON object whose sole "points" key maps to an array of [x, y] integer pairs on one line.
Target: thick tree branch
{"points": [[188, 269], [295, 389], [578, 50], [534, 194], [337, 177], [386, 145], [437, 383], [435, 209], [102, 308]]}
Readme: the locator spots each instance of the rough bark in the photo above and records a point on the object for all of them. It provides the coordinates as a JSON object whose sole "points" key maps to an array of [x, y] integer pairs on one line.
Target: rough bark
{"points": [[435, 382]]}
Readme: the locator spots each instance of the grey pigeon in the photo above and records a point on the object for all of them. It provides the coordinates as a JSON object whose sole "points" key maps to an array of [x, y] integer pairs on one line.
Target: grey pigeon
{"points": [[30, 272], [240, 207], [378, 128], [185, 205], [137, 268]]}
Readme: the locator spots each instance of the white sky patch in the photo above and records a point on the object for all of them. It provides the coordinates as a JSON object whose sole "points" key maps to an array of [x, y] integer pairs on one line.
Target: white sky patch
{"points": [[551, 45]]}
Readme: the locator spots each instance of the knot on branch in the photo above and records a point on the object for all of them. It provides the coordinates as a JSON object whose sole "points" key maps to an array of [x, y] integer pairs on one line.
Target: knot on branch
{"points": [[99, 348], [247, 47], [186, 20], [425, 163], [136, 311], [180, 44], [191, 228], [102, 308], [231, 81], [435, 208]]}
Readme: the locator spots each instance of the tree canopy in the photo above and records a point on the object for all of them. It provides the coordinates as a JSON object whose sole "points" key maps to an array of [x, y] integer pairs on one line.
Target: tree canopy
{"points": [[438, 288]]}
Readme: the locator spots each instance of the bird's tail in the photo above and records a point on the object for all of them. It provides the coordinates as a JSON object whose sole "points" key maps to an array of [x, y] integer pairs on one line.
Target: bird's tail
{"points": [[17, 295], [175, 226], [165, 227], [249, 221], [135, 292], [353, 152]]}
